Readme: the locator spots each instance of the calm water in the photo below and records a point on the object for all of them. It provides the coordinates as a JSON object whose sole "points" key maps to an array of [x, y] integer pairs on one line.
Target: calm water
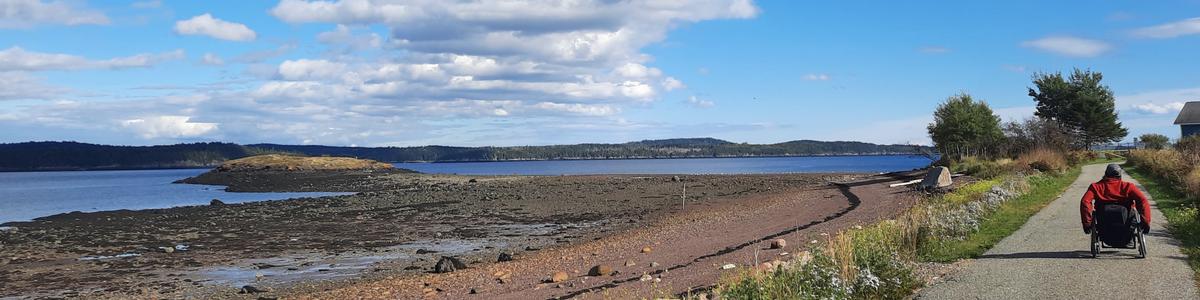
{"points": [[752, 165], [27, 195]]}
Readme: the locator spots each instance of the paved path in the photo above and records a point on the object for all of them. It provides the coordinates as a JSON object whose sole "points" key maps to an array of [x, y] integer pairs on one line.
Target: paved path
{"points": [[1048, 258]]}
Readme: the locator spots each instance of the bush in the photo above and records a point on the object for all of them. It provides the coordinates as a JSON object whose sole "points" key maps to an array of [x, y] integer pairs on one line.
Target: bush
{"points": [[1044, 160], [1154, 141], [981, 168]]}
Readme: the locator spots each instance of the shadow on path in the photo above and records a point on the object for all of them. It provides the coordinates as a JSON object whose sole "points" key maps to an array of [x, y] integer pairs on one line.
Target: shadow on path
{"points": [[1047, 254]]}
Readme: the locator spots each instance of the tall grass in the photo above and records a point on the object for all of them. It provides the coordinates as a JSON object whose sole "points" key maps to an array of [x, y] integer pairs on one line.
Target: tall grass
{"points": [[1173, 178]]}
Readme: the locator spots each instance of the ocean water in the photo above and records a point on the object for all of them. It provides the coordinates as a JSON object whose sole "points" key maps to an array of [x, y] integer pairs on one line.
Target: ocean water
{"points": [[740, 165], [28, 195]]}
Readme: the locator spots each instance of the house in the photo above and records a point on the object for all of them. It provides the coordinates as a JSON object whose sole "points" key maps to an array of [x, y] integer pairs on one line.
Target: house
{"points": [[1189, 119]]}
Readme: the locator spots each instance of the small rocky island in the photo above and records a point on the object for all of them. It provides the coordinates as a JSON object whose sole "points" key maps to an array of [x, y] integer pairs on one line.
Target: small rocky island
{"points": [[288, 173]]}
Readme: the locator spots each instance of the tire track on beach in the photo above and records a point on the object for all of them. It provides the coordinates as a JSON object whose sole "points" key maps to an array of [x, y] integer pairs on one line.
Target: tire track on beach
{"points": [[844, 188]]}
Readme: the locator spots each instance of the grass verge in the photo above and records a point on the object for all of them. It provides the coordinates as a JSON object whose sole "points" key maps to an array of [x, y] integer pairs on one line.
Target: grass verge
{"points": [[1182, 217], [1009, 217]]}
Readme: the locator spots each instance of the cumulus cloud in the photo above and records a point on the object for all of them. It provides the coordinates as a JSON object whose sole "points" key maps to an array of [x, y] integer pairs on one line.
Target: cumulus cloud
{"points": [[168, 127], [817, 77], [1170, 30], [526, 64], [344, 37], [216, 28], [1069, 46], [19, 59], [32, 13], [699, 103]]}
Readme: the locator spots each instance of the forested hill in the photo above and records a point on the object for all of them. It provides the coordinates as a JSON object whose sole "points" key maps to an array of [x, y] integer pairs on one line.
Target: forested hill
{"points": [[80, 156], [34, 156]]}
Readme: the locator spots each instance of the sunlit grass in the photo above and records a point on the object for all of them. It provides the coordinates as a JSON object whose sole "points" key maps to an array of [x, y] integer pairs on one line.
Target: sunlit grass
{"points": [[1182, 214]]}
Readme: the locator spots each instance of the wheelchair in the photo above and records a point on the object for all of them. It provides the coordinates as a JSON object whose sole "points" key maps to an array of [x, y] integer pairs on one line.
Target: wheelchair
{"points": [[1119, 226]]}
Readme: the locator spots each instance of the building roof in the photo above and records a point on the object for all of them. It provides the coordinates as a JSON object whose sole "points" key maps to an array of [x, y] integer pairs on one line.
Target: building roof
{"points": [[1190, 114]]}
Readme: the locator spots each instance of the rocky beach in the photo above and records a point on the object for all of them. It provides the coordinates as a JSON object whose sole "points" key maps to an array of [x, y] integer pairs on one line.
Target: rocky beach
{"points": [[398, 226]]}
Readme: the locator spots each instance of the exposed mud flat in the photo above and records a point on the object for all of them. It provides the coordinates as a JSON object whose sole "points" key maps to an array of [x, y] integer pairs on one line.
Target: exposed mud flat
{"points": [[397, 226]]}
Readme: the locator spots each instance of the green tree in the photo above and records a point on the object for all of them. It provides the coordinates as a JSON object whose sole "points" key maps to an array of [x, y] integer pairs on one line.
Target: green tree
{"points": [[962, 126], [1081, 104], [1154, 140]]}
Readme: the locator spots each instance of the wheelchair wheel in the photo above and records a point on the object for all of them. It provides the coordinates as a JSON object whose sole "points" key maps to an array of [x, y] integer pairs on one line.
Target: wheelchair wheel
{"points": [[1141, 241], [1095, 244]]}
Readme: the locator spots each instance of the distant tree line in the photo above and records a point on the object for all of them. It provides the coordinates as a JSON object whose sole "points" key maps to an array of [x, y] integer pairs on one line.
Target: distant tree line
{"points": [[80, 156]]}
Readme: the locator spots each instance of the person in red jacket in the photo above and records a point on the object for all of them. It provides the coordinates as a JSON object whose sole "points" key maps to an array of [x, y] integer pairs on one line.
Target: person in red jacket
{"points": [[1111, 189]]}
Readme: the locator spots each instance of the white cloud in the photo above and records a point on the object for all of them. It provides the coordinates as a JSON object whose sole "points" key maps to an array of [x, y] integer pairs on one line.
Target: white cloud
{"points": [[343, 36], [21, 85], [700, 103], [670, 84], [1158, 109], [168, 127], [31, 13], [1170, 30], [817, 77], [216, 28], [18, 59], [445, 73], [1069, 46], [211, 59]]}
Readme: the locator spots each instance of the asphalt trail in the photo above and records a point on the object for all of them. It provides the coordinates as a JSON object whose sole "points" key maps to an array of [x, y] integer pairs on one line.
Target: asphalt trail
{"points": [[1048, 258]]}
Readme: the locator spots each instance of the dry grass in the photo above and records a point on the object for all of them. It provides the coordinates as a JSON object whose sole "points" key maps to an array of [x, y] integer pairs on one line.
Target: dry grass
{"points": [[276, 162], [1044, 160]]}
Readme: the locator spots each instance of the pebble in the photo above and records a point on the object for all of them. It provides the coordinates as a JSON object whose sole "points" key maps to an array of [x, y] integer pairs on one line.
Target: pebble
{"points": [[778, 244], [646, 249], [646, 277], [601, 270], [250, 289], [559, 276], [448, 264], [654, 264], [504, 257], [630, 263]]}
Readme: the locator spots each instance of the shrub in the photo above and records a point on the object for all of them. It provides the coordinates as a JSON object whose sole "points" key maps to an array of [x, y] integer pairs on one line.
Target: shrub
{"points": [[981, 168], [1044, 160], [1154, 141]]}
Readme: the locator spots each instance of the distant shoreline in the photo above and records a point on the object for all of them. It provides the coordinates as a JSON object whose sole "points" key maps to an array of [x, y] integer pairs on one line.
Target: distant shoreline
{"points": [[142, 168]]}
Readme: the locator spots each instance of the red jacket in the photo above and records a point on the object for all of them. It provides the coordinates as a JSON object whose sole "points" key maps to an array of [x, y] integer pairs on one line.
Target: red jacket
{"points": [[1113, 190]]}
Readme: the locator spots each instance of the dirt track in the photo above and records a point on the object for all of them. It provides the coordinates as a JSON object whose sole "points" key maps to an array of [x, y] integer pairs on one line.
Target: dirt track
{"points": [[1048, 258]]}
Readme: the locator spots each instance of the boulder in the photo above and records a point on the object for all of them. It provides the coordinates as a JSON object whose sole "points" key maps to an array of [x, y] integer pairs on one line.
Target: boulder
{"points": [[216, 202], [938, 177], [448, 264], [504, 257], [601, 270], [778, 244]]}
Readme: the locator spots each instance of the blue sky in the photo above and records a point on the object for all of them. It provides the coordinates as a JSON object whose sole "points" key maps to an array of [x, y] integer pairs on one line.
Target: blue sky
{"points": [[401, 73]]}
